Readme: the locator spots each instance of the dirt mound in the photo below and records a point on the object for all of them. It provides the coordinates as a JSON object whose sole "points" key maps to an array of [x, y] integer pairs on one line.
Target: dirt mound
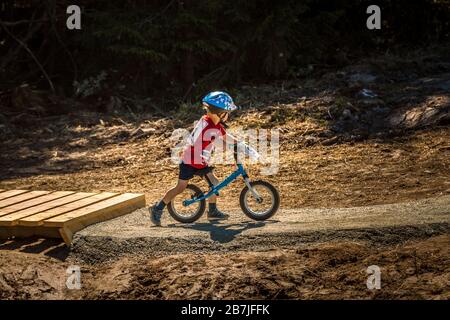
{"points": [[336, 270], [29, 276]]}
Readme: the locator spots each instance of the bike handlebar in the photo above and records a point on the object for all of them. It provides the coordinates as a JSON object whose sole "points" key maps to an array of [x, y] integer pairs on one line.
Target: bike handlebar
{"points": [[252, 153]]}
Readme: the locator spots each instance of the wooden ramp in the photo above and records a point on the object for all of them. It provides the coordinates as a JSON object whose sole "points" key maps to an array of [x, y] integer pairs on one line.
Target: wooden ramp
{"points": [[25, 213]]}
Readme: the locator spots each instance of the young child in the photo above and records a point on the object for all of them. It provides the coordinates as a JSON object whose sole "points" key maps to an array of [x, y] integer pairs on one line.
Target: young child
{"points": [[195, 157]]}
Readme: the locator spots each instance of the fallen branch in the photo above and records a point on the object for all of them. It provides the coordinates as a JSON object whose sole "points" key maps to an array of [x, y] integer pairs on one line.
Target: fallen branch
{"points": [[23, 44], [13, 53], [16, 23], [75, 69]]}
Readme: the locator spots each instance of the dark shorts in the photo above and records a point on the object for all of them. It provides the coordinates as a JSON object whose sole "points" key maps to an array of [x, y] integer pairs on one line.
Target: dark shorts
{"points": [[187, 172]]}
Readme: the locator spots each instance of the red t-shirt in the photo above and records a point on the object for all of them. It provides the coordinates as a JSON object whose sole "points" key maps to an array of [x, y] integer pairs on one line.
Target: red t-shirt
{"points": [[201, 142]]}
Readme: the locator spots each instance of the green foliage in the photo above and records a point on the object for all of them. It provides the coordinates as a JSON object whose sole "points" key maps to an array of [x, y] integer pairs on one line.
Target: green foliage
{"points": [[184, 48], [189, 111], [89, 86]]}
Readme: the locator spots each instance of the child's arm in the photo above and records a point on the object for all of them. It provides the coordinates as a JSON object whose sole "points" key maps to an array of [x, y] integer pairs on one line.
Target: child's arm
{"points": [[228, 139], [231, 139], [248, 150]]}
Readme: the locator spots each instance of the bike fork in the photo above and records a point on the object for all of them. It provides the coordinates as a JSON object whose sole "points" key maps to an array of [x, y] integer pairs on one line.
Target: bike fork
{"points": [[253, 191]]}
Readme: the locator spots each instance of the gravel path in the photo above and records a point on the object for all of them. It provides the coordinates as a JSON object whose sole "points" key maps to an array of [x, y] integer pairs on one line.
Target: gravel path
{"points": [[383, 224]]}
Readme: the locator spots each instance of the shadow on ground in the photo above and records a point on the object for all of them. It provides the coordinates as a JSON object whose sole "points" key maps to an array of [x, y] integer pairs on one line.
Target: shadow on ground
{"points": [[53, 248], [223, 232]]}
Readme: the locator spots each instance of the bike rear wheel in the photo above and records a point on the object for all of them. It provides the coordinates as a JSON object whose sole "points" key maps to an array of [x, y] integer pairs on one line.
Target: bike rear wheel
{"points": [[267, 207], [187, 214]]}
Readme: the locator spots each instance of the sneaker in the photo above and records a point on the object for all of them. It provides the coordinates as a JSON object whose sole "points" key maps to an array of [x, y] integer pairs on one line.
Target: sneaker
{"points": [[155, 215], [217, 215]]}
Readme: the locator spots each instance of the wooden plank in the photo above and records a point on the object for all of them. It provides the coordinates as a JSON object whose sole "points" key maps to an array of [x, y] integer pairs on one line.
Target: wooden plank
{"points": [[11, 193], [66, 234], [13, 218], [37, 219], [110, 212], [22, 197], [34, 202], [77, 224], [102, 209]]}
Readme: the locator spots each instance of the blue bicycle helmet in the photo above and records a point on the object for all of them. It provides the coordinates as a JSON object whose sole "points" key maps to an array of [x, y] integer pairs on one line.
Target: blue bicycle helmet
{"points": [[220, 100]]}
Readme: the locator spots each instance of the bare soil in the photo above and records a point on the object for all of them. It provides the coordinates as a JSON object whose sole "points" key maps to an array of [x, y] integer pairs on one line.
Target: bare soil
{"points": [[341, 175], [417, 269], [328, 162]]}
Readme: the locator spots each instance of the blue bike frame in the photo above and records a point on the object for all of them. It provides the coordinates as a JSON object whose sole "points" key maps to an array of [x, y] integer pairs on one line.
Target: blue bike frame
{"points": [[240, 171]]}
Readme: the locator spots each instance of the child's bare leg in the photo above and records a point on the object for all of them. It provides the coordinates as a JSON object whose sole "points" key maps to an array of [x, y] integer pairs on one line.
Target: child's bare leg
{"points": [[157, 209], [213, 212], [214, 181], [172, 193]]}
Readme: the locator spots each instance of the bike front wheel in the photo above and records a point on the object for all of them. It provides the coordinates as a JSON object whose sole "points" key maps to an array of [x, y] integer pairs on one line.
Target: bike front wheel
{"points": [[190, 213], [264, 207]]}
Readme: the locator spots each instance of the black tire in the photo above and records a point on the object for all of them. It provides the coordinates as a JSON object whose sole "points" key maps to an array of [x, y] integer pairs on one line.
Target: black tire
{"points": [[275, 201], [195, 191]]}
